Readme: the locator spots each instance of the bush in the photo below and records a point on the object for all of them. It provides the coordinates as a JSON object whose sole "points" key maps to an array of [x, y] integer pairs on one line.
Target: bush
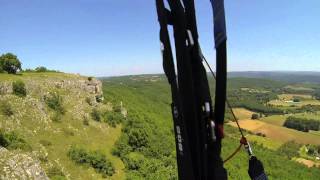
{"points": [[54, 101], [95, 114], [260, 134], [78, 155], [138, 138], [10, 63], [289, 149], [19, 88], [90, 78], [6, 108], [95, 159], [12, 140], [113, 119], [254, 116], [296, 100], [117, 109], [121, 147], [99, 162], [134, 161]]}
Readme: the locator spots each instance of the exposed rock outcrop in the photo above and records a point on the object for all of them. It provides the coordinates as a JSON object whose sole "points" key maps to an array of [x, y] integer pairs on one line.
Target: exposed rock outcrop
{"points": [[20, 166]]}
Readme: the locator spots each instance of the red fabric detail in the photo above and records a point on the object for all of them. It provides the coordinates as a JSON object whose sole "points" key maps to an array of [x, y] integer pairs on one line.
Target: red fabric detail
{"points": [[220, 130]]}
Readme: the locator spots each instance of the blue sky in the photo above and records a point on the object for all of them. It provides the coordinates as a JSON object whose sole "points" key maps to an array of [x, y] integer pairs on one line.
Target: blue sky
{"points": [[119, 37]]}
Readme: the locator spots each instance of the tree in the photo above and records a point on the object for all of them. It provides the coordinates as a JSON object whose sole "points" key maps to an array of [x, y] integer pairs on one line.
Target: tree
{"points": [[296, 100], [254, 116], [10, 63], [41, 69]]}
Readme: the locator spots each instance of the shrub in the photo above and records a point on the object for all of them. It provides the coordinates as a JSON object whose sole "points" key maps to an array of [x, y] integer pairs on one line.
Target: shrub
{"points": [[90, 78], [138, 138], [95, 159], [133, 161], [289, 149], [6, 108], [260, 134], [99, 162], [4, 142], [54, 101], [121, 147], [95, 114], [12, 140], [296, 100], [254, 116], [19, 88], [78, 155], [117, 109], [10, 63], [113, 119]]}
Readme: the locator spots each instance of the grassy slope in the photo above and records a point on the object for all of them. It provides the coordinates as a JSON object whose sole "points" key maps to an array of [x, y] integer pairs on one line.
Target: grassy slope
{"points": [[34, 126], [153, 99]]}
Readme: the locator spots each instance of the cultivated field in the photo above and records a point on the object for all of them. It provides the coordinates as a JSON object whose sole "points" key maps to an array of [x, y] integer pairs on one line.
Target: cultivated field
{"points": [[281, 134], [277, 102], [288, 97], [242, 113]]}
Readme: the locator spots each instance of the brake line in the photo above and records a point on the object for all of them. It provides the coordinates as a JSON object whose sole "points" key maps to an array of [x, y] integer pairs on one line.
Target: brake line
{"points": [[243, 141]]}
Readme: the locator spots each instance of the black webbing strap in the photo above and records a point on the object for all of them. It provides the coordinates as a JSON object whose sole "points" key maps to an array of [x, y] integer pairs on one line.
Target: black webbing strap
{"points": [[186, 84], [203, 97], [185, 167], [221, 58], [221, 85]]}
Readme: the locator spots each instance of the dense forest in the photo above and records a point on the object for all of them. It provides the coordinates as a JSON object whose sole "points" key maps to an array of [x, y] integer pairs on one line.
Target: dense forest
{"points": [[302, 124]]}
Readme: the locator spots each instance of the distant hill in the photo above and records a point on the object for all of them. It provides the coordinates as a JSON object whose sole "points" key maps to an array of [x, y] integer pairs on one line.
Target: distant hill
{"points": [[288, 76]]}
